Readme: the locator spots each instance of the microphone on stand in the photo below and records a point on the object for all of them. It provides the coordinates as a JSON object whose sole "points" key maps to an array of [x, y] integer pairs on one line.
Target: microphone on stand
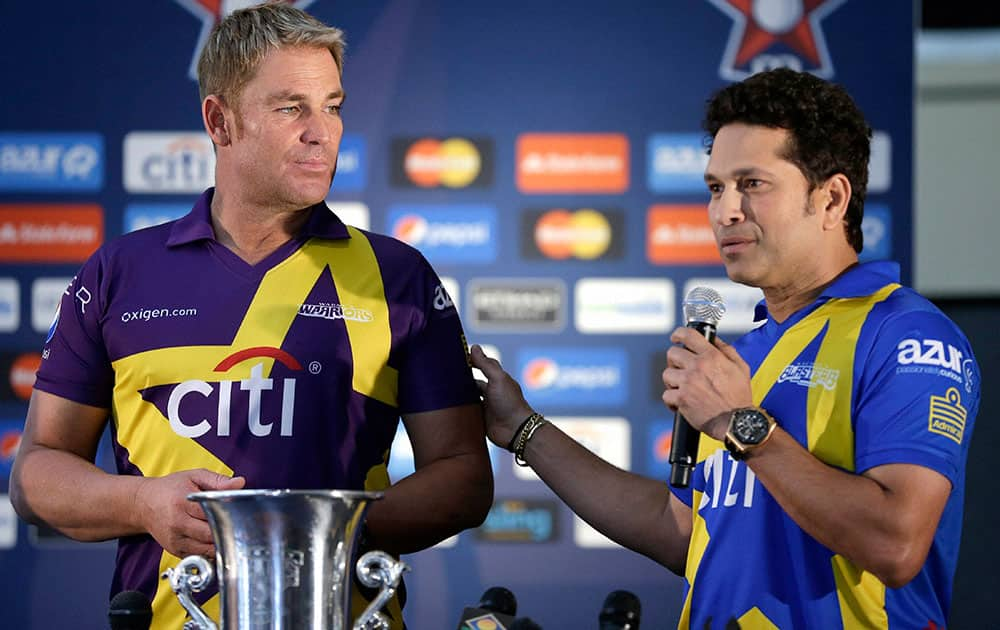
{"points": [[496, 610], [130, 610], [703, 308], [621, 611]]}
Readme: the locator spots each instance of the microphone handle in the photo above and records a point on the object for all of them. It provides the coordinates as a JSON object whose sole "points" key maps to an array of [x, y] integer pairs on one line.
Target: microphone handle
{"points": [[684, 442]]}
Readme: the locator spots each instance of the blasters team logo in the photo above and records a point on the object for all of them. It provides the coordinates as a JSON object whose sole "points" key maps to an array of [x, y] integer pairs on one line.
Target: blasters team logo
{"points": [[211, 12], [768, 34]]}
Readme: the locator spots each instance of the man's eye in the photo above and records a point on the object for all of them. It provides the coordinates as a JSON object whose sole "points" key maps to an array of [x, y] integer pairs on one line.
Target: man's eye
{"points": [[291, 109]]}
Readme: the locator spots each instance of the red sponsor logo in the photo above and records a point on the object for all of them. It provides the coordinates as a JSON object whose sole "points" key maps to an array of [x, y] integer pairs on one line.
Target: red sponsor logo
{"points": [[680, 235], [555, 163], [54, 233], [22, 374]]}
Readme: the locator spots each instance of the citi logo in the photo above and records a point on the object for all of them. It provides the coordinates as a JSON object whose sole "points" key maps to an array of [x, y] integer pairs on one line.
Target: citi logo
{"points": [[158, 162], [257, 388]]}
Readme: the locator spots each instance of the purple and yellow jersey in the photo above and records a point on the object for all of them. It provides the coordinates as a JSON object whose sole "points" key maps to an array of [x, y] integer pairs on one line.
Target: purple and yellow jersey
{"points": [[870, 374], [292, 372]]}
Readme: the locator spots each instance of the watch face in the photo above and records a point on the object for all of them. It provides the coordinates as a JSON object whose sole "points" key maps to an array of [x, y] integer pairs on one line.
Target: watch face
{"points": [[750, 426]]}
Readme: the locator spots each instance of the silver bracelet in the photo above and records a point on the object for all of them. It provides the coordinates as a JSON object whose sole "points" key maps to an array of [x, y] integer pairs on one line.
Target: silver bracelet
{"points": [[534, 422]]}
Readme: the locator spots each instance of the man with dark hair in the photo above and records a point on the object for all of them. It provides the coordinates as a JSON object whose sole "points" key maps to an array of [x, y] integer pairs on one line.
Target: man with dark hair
{"points": [[829, 481], [286, 363]]}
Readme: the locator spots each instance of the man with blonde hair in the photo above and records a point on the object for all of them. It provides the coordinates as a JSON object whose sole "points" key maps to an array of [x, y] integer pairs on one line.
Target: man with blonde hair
{"points": [[287, 364]]}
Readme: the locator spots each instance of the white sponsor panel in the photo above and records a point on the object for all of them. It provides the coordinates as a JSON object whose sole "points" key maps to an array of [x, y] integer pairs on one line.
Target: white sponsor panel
{"points": [[609, 438], [880, 163], [451, 288], [10, 304], [8, 523], [624, 305], [740, 301], [45, 296], [168, 162], [492, 352], [352, 213]]}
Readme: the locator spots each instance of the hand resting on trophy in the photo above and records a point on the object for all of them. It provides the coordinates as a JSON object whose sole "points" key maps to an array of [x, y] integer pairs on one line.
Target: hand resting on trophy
{"points": [[177, 524]]}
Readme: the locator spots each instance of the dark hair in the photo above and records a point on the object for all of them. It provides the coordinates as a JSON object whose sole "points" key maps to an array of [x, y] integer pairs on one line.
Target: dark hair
{"points": [[829, 134]]}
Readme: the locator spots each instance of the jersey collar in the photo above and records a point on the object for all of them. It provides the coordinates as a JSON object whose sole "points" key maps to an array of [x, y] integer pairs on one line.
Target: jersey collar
{"points": [[197, 224], [859, 280]]}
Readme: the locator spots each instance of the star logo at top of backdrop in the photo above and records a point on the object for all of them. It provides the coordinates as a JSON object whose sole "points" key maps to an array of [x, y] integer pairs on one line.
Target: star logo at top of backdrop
{"points": [[769, 34], [212, 11]]}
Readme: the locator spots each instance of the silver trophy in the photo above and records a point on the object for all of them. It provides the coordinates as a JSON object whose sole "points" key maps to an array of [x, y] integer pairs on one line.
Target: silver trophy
{"points": [[282, 558]]}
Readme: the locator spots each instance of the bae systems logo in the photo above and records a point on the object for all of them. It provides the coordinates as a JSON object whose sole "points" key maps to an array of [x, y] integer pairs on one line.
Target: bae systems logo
{"points": [[768, 34], [211, 12]]}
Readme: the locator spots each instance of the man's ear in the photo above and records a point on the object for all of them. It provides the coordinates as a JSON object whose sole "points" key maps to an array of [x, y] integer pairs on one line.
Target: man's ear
{"points": [[831, 199], [218, 120]]}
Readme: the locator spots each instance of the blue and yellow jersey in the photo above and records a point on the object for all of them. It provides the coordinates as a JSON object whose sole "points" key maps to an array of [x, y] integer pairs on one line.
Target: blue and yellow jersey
{"points": [[292, 372], [869, 374]]}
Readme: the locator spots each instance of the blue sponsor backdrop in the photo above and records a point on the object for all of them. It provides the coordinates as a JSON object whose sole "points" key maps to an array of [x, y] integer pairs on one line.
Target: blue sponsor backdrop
{"points": [[444, 69]]}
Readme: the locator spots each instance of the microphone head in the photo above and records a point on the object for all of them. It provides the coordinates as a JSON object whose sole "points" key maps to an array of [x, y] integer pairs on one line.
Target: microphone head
{"points": [[703, 305], [500, 600], [130, 610], [621, 610]]}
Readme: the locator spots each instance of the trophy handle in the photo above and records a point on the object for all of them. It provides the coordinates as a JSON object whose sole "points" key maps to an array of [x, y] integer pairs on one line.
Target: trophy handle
{"points": [[377, 569], [192, 575]]}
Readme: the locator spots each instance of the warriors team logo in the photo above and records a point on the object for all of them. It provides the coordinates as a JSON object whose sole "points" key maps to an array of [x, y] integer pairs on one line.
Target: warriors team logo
{"points": [[768, 34], [211, 12]]}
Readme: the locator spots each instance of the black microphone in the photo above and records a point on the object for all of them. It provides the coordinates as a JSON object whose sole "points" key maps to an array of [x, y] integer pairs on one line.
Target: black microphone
{"points": [[621, 611], [130, 610], [525, 623], [703, 308], [496, 610]]}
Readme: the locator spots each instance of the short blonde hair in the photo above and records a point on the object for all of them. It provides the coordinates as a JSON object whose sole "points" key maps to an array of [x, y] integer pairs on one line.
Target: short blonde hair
{"points": [[238, 44]]}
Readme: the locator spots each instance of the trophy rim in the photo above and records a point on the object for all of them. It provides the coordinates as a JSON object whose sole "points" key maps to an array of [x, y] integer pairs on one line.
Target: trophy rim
{"points": [[258, 493]]}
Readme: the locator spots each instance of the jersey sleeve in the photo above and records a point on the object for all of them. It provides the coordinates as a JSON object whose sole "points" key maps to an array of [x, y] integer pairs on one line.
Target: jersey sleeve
{"points": [[919, 394], [434, 369], [75, 363]]}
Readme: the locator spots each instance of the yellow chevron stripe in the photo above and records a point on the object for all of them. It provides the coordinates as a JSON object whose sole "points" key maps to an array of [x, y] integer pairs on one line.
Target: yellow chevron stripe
{"points": [[861, 596], [358, 279], [829, 430]]}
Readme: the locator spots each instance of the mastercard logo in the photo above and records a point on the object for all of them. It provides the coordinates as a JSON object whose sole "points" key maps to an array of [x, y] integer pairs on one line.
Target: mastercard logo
{"points": [[540, 373], [452, 163], [410, 229], [22, 374], [584, 234]]}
